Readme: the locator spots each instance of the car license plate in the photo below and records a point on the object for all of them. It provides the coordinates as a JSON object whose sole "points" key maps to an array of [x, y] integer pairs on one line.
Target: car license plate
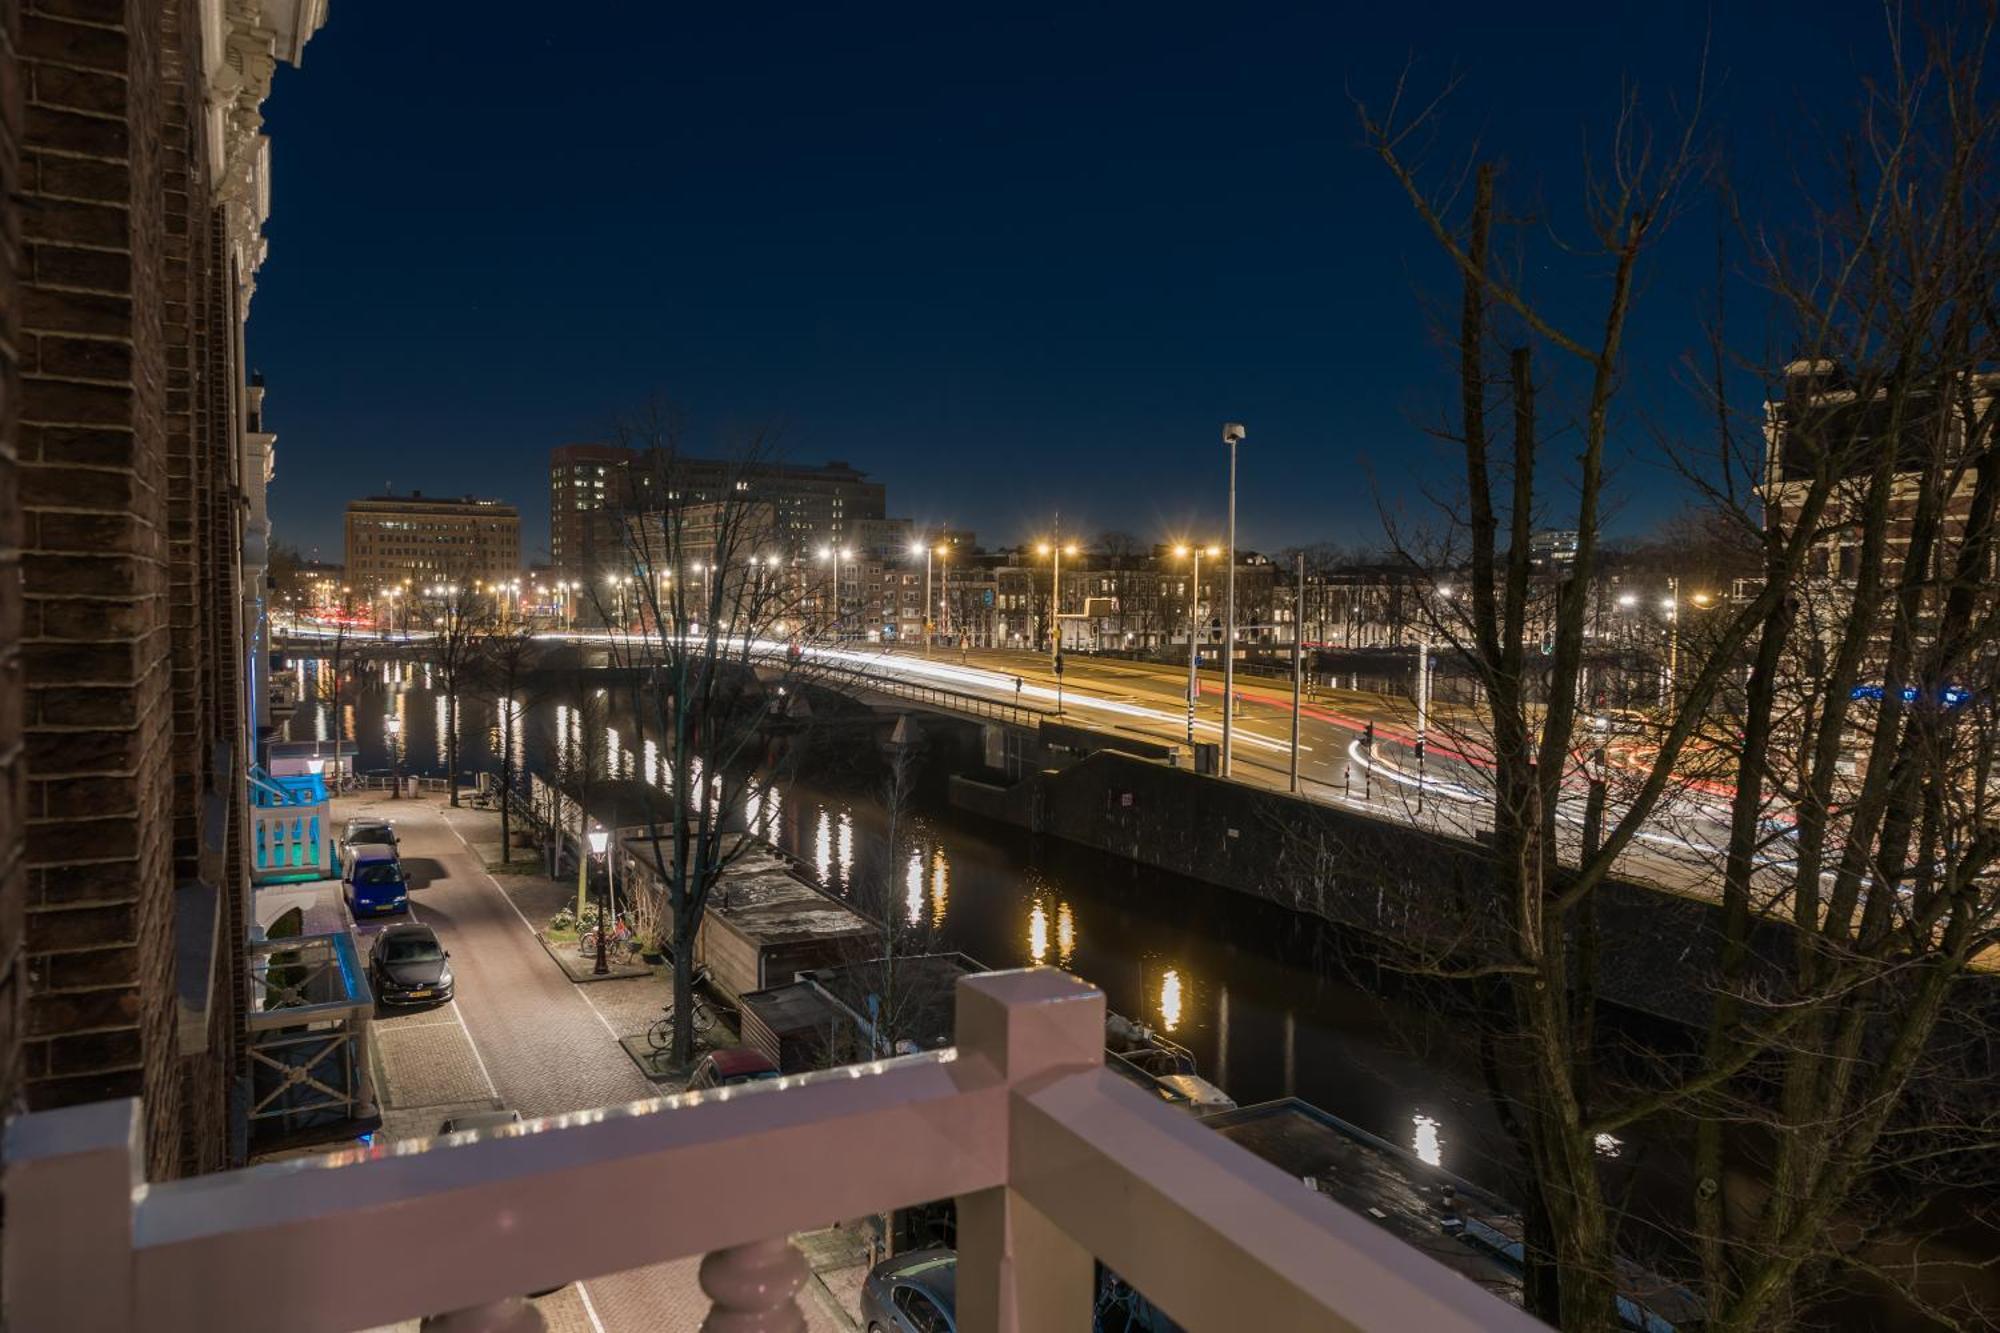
{"points": [[420, 994]]}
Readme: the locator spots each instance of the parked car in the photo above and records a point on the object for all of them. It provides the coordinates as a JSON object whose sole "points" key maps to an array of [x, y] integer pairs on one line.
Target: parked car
{"points": [[365, 833], [373, 882], [912, 1293], [729, 1066], [458, 1124], [409, 966]]}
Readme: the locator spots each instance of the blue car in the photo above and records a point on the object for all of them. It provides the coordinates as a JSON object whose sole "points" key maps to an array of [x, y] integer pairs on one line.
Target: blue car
{"points": [[373, 882]]}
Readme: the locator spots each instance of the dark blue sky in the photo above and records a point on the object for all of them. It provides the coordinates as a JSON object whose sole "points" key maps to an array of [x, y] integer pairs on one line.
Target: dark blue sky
{"points": [[1007, 262]]}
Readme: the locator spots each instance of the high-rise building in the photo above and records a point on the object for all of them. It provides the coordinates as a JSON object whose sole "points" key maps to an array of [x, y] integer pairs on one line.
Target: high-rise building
{"points": [[415, 538], [813, 507], [583, 480]]}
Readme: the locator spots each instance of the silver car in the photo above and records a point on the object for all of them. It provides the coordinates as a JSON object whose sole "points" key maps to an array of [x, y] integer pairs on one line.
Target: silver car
{"points": [[912, 1293], [365, 833]]}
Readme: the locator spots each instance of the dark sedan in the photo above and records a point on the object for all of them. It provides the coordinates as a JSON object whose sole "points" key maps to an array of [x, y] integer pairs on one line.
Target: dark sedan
{"points": [[409, 966]]}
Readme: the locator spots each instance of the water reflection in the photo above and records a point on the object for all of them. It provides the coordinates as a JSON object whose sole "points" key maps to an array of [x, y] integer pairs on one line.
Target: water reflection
{"points": [[1038, 932], [913, 889], [940, 886], [441, 726], [1424, 1141], [823, 848], [1065, 934], [846, 850], [1170, 1000]]}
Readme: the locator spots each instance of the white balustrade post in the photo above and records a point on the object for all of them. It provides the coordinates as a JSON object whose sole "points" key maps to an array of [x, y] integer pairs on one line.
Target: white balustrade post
{"points": [[753, 1288], [1017, 1271], [70, 1180]]}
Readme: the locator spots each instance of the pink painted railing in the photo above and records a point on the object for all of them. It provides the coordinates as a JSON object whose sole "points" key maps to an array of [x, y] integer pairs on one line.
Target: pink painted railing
{"points": [[1052, 1160]]}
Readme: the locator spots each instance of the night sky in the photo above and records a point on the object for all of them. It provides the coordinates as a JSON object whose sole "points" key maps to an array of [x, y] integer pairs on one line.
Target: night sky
{"points": [[1009, 262]]}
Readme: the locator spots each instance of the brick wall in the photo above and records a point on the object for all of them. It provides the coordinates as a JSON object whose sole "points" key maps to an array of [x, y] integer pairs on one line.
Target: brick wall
{"points": [[95, 620], [13, 888]]}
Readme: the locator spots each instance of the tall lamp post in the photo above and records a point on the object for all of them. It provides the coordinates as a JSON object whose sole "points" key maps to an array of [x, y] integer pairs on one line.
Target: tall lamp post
{"points": [[1194, 625], [394, 726], [599, 841], [1672, 606], [835, 555], [1232, 435], [926, 548], [1055, 549]]}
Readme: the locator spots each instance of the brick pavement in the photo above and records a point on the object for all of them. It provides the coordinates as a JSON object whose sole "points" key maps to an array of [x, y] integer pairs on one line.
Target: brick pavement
{"points": [[538, 1042]]}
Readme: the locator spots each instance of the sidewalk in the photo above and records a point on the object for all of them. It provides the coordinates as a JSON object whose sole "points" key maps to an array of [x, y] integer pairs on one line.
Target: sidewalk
{"points": [[519, 1035]]}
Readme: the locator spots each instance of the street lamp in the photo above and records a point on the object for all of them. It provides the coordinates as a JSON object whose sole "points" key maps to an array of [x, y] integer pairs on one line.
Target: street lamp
{"points": [[1056, 550], [925, 548], [599, 840], [835, 555], [1232, 435], [1672, 606], [944, 589], [1194, 621], [394, 726]]}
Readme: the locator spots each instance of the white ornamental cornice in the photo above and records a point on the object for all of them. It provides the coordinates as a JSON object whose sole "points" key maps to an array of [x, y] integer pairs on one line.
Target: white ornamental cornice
{"points": [[244, 41]]}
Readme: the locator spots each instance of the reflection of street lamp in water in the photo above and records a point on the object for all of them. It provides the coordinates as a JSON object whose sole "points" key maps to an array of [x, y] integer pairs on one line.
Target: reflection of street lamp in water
{"points": [[1038, 932], [1170, 999]]}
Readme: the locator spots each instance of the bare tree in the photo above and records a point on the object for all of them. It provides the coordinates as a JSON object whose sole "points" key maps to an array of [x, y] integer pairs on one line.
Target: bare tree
{"points": [[461, 617], [506, 669], [1846, 703], [719, 649]]}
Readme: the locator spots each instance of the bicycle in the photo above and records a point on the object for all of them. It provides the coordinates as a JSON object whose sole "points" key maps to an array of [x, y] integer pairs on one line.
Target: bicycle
{"points": [[660, 1036], [623, 939]]}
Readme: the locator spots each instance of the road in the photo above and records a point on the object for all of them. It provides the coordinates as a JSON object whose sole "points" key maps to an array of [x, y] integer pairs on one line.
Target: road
{"points": [[1444, 790], [518, 1034]]}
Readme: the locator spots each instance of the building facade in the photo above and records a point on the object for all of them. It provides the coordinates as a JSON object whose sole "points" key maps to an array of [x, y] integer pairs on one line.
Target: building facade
{"points": [[594, 490], [415, 539], [583, 480], [133, 549]]}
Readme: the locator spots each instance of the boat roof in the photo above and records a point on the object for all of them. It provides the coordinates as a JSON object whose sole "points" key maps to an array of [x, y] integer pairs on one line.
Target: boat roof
{"points": [[732, 1061]]}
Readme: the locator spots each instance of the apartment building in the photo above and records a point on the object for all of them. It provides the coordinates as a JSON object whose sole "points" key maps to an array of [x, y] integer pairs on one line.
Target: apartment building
{"points": [[417, 539]]}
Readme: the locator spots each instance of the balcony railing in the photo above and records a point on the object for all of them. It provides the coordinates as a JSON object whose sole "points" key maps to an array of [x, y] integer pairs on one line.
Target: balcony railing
{"points": [[1052, 1159]]}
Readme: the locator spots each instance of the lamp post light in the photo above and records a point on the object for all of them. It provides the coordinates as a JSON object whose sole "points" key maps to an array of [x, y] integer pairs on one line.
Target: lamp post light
{"points": [[925, 547], [599, 841], [1232, 435], [1672, 606], [835, 555], [394, 726], [1056, 550], [944, 590], [1194, 625]]}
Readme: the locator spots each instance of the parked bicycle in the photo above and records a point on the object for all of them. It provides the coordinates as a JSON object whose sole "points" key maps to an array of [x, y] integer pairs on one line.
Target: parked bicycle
{"points": [[660, 1036], [622, 940]]}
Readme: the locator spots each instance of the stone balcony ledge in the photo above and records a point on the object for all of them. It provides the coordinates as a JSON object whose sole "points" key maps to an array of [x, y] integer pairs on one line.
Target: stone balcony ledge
{"points": [[1053, 1161]]}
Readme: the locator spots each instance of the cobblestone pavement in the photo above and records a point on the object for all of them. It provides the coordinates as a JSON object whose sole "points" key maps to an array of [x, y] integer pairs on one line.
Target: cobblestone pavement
{"points": [[521, 1035]]}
